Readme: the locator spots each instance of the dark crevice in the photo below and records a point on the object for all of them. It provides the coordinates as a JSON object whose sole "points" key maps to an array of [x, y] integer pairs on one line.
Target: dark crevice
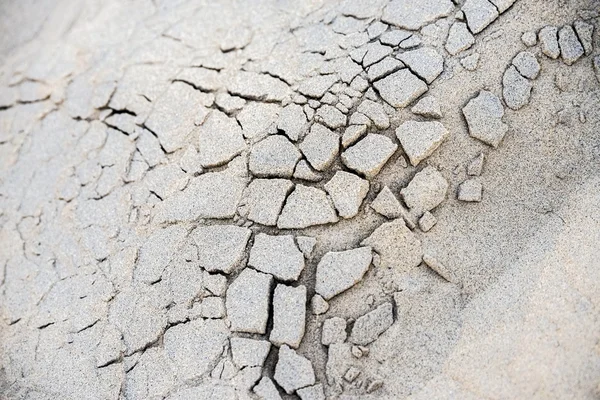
{"points": [[198, 88], [156, 136], [45, 325], [88, 326], [111, 362], [156, 194], [116, 128], [121, 111]]}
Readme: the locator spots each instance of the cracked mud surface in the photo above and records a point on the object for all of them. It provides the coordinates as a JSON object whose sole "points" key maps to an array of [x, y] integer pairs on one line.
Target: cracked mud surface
{"points": [[300, 200]]}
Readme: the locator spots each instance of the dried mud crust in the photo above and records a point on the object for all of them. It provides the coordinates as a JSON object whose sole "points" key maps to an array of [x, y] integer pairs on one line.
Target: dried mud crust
{"points": [[313, 200]]}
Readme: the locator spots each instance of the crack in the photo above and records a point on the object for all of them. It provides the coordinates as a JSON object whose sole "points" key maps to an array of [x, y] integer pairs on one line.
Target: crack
{"points": [[88, 326], [121, 111], [45, 325], [143, 125], [116, 128], [198, 88], [111, 362]]}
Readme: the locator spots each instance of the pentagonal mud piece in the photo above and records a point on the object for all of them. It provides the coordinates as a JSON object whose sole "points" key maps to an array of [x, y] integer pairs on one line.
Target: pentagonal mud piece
{"points": [[484, 117], [369, 155], [400, 88], [274, 156]]}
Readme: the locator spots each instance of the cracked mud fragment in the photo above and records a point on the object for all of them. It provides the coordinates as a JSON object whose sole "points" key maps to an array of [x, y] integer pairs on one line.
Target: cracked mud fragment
{"points": [[139, 314], [220, 247], [376, 113], [585, 33], [264, 199], [274, 156], [479, 14], [195, 345], [400, 88], [247, 301], [459, 38], [316, 87], [320, 147], [174, 114], [347, 192], [409, 15], [549, 41], [219, 140], [470, 191], [292, 121], [289, 315], [266, 389], [369, 155], [306, 206], [428, 106], [571, 49], [157, 252], [527, 65], [420, 139], [368, 327], [314, 392], [396, 245], [425, 62], [425, 191], [277, 255], [293, 371], [516, 89], [258, 119], [484, 117], [387, 204], [211, 195], [339, 271], [173, 192], [249, 352]]}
